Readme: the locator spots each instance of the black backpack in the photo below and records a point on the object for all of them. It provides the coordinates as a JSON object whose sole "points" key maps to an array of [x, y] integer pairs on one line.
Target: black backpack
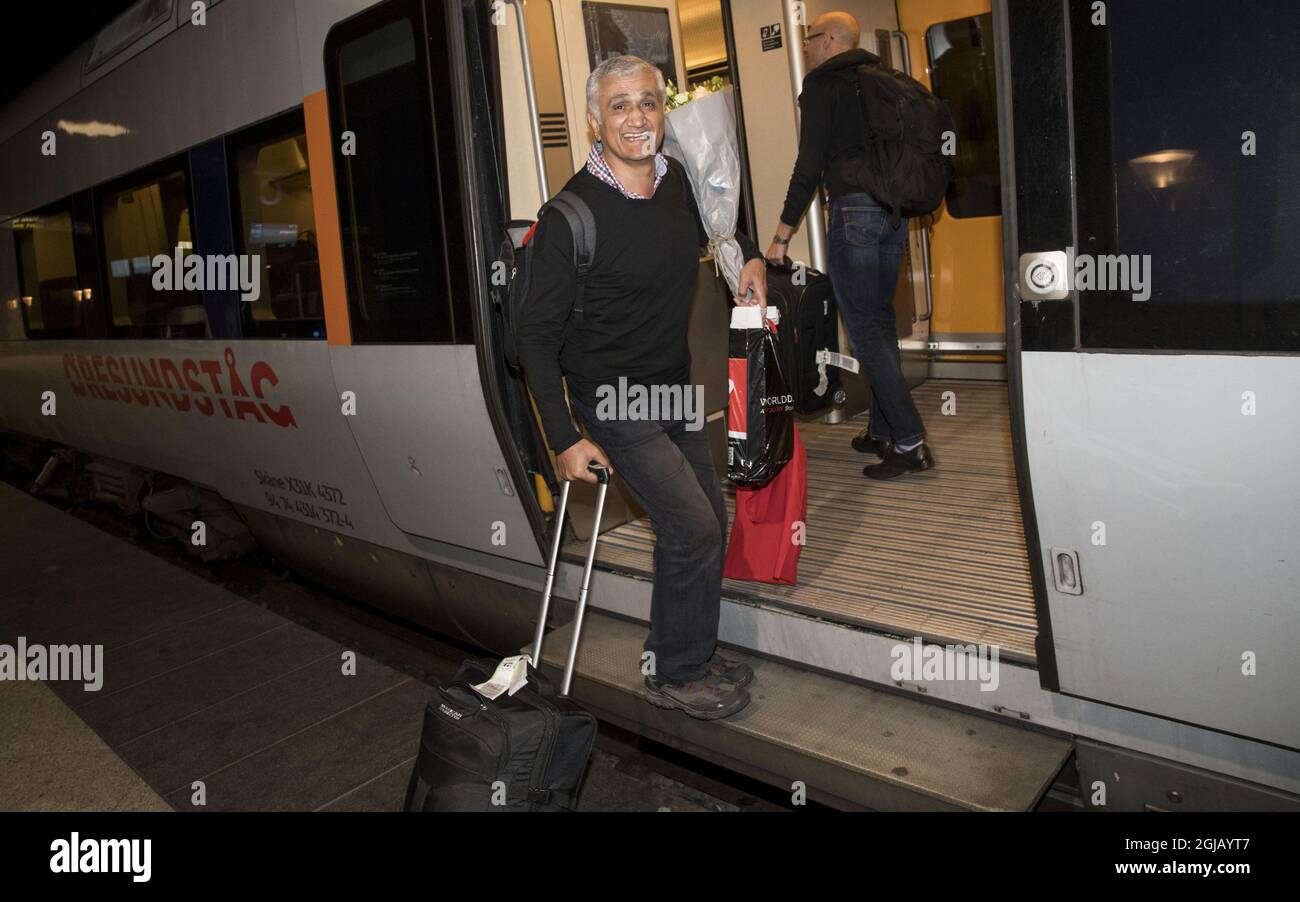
{"points": [[521, 752], [904, 167], [516, 254]]}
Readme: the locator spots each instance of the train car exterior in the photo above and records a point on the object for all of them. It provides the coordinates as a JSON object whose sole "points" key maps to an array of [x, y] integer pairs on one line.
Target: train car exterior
{"points": [[359, 421]]}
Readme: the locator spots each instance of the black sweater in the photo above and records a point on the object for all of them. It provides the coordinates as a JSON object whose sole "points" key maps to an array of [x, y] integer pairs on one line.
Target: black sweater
{"points": [[830, 127], [636, 304]]}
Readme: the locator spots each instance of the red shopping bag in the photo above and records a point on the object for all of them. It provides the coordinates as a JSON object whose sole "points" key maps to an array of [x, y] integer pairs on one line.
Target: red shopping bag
{"points": [[767, 533]]}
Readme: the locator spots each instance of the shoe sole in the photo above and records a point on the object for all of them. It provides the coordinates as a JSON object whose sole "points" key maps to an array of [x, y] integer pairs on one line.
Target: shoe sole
{"points": [[929, 466], [874, 452], [669, 703]]}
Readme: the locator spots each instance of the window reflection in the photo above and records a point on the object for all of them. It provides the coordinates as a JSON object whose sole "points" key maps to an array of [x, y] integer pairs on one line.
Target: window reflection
{"points": [[962, 74], [137, 224], [278, 224], [47, 271], [1215, 208]]}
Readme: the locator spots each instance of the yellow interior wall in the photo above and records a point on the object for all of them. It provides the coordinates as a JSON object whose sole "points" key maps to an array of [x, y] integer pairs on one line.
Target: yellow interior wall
{"points": [[965, 254]]}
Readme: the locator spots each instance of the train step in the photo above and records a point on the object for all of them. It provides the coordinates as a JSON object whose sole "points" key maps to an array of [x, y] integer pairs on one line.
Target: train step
{"points": [[851, 746]]}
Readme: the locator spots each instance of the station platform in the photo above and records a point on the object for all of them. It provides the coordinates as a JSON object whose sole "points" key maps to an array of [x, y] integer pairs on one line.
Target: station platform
{"points": [[203, 684], [198, 685], [207, 696]]}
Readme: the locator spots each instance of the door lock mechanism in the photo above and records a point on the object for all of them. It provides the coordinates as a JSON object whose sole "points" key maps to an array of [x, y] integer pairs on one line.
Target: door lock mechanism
{"points": [[1043, 276]]}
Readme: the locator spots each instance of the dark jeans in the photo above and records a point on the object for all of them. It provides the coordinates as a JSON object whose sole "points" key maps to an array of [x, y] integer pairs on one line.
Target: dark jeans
{"points": [[865, 251], [669, 472]]}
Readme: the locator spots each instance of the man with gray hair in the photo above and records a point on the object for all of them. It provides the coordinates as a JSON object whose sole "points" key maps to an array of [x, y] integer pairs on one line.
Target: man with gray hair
{"points": [[637, 297], [866, 248]]}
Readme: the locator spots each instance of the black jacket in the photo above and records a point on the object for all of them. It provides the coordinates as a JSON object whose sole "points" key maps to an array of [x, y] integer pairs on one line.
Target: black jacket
{"points": [[636, 300], [831, 128]]}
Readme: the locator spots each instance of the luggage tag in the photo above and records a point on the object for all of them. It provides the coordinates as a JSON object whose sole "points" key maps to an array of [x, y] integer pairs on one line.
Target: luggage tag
{"points": [[510, 676], [843, 361], [824, 357]]}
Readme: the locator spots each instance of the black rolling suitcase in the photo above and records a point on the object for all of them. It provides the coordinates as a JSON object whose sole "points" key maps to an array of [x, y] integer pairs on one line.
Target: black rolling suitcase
{"points": [[809, 324], [525, 751]]}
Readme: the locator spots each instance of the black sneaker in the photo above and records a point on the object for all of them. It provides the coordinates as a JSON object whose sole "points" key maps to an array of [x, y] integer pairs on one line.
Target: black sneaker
{"points": [[896, 463], [707, 698], [732, 671], [863, 443]]}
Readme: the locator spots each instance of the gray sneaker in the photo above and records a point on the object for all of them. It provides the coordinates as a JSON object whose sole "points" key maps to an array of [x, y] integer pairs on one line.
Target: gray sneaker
{"points": [[708, 697]]}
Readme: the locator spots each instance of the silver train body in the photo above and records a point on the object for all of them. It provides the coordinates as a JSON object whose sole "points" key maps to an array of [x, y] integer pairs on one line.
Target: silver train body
{"points": [[394, 472]]}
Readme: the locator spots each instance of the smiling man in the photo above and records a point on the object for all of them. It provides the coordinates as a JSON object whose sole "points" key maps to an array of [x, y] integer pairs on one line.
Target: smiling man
{"points": [[636, 309]]}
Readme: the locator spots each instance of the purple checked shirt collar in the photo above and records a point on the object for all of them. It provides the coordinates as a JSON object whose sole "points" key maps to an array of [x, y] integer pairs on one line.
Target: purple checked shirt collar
{"points": [[597, 166]]}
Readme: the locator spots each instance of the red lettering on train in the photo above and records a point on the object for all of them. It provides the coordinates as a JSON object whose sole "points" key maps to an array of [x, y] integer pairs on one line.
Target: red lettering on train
{"points": [[261, 373], [169, 384]]}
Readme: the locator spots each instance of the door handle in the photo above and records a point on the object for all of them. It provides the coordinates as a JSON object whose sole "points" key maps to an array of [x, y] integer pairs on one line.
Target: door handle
{"points": [[907, 53]]}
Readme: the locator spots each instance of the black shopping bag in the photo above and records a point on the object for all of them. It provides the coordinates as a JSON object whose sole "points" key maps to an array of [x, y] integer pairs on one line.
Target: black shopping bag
{"points": [[760, 406]]}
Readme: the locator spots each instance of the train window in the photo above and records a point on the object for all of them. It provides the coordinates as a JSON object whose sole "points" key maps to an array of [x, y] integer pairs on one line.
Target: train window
{"points": [[58, 279], [138, 20], [140, 217], [47, 273], [274, 219], [394, 187], [1186, 177], [51, 294], [962, 73]]}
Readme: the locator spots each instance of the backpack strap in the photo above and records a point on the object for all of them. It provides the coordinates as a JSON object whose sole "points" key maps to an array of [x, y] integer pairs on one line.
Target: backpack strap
{"points": [[582, 225], [856, 75]]}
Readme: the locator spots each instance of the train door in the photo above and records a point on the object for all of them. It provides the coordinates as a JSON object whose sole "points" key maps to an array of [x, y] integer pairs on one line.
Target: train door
{"points": [[1150, 174], [406, 363], [951, 52]]}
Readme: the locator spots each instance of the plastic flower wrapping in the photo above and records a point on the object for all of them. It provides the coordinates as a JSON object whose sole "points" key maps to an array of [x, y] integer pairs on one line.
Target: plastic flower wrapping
{"points": [[701, 134]]}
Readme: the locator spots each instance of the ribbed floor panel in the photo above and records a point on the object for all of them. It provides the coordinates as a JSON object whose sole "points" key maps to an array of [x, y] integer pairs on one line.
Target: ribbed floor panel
{"points": [[939, 554]]}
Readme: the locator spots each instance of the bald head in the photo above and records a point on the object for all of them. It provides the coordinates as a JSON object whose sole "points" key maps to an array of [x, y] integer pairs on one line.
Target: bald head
{"points": [[841, 26], [831, 34]]}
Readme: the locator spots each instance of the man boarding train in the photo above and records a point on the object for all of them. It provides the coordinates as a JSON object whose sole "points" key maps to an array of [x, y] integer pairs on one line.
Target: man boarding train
{"points": [[636, 311], [637, 301], [865, 247]]}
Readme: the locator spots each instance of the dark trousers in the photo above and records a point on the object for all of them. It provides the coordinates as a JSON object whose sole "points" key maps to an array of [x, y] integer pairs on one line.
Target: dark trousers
{"points": [[865, 251], [669, 472]]}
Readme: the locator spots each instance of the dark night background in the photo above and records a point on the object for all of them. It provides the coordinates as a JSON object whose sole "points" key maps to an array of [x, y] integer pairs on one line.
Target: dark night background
{"points": [[40, 34]]}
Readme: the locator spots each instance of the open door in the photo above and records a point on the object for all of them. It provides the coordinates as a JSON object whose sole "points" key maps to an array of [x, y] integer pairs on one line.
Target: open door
{"points": [[952, 54], [1150, 174], [410, 195]]}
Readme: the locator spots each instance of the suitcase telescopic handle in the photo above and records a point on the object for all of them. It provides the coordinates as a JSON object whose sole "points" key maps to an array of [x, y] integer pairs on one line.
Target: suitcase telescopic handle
{"points": [[602, 477]]}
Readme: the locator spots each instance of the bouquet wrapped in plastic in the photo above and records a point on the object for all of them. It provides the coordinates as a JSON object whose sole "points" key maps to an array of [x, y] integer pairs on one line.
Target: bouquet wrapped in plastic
{"points": [[702, 135]]}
